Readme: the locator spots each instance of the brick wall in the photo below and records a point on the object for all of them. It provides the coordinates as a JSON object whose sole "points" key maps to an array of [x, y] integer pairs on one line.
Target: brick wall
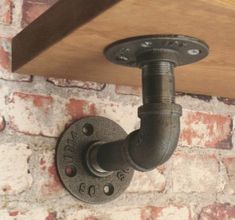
{"points": [[197, 183]]}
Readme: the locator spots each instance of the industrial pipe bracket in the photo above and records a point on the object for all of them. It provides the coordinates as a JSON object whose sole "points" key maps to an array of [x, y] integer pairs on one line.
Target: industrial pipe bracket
{"points": [[95, 158]]}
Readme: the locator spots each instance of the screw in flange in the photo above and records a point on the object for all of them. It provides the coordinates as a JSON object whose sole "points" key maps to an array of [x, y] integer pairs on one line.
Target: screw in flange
{"points": [[193, 52], [147, 44]]}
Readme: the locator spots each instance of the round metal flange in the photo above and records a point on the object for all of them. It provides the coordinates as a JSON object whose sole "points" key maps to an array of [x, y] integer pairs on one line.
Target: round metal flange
{"points": [[178, 49], [72, 166]]}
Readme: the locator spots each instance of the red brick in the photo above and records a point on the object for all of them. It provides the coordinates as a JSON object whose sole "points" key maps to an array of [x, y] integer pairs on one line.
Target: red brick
{"points": [[218, 212], [80, 108], [5, 60], [6, 12], [195, 173], [49, 184], [165, 213], [42, 102], [30, 213], [79, 84], [4, 54], [13, 213], [128, 90], [51, 216], [206, 130], [32, 9], [35, 114], [230, 168]]}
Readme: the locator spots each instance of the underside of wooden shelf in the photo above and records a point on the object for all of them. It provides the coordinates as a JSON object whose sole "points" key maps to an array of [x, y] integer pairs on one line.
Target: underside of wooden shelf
{"points": [[68, 40]]}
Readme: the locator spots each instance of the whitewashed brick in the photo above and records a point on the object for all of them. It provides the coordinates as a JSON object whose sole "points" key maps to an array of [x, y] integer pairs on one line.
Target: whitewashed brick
{"points": [[14, 168]]}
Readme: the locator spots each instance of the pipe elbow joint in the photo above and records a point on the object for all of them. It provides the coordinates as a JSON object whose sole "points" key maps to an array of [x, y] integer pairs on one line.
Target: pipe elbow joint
{"points": [[155, 141]]}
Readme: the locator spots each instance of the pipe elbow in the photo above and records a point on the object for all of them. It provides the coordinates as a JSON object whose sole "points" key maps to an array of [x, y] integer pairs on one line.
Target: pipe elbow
{"points": [[154, 143]]}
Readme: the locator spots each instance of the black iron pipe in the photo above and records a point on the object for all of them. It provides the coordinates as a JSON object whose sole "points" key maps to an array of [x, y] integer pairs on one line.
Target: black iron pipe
{"points": [[157, 138]]}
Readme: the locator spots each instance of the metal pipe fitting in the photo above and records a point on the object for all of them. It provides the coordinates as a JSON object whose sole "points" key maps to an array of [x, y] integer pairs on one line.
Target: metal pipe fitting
{"points": [[96, 159], [158, 135]]}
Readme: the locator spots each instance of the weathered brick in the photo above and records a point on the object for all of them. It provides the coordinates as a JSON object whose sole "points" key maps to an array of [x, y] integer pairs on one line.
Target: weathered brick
{"points": [[230, 168], [195, 173], [132, 213], [44, 115], [4, 54], [206, 130], [78, 108], [32, 9], [5, 51], [122, 213], [14, 168], [119, 112], [6, 12], [218, 212], [147, 182], [14, 76], [37, 213], [79, 84], [48, 185], [82, 214], [166, 213], [128, 90]]}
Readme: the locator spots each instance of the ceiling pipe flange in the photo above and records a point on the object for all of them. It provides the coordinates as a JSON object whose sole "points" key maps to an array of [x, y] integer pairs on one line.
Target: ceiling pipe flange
{"points": [[178, 49], [106, 156]]}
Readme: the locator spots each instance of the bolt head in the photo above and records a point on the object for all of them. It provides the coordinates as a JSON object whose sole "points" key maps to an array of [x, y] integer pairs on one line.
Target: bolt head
{"points": [[194, 52], [146, 44]]}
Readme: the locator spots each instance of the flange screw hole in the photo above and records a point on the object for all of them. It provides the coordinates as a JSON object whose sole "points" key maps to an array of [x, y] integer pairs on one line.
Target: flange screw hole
{"points": [[108, 189], [70, 171], [88, 129]]}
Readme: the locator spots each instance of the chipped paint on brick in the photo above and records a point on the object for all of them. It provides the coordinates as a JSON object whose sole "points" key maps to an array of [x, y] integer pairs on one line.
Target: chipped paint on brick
{"points": [[195, 173], [229, 163], [33, 9], [206, 130], [14, 177], [51, 216], [6, 7], [13, 213], [80, 108], [218, 212], [49, 185], [152, 181], [165, 213]]}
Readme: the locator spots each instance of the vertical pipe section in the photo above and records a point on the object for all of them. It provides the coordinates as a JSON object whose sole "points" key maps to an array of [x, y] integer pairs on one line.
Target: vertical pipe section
{"points": [[158, 82]]}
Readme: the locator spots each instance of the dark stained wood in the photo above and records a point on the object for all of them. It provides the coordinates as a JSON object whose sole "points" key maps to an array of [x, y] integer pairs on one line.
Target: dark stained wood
{"points": [[61, 19]]}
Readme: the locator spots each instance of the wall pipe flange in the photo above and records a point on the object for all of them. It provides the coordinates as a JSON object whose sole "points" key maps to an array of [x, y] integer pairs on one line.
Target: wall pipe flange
{"points": [[110, 154], [72, 157]]}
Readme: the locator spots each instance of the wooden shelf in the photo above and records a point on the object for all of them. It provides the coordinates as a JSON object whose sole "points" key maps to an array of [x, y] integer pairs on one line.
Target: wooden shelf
{"points": [[67, 41]]}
